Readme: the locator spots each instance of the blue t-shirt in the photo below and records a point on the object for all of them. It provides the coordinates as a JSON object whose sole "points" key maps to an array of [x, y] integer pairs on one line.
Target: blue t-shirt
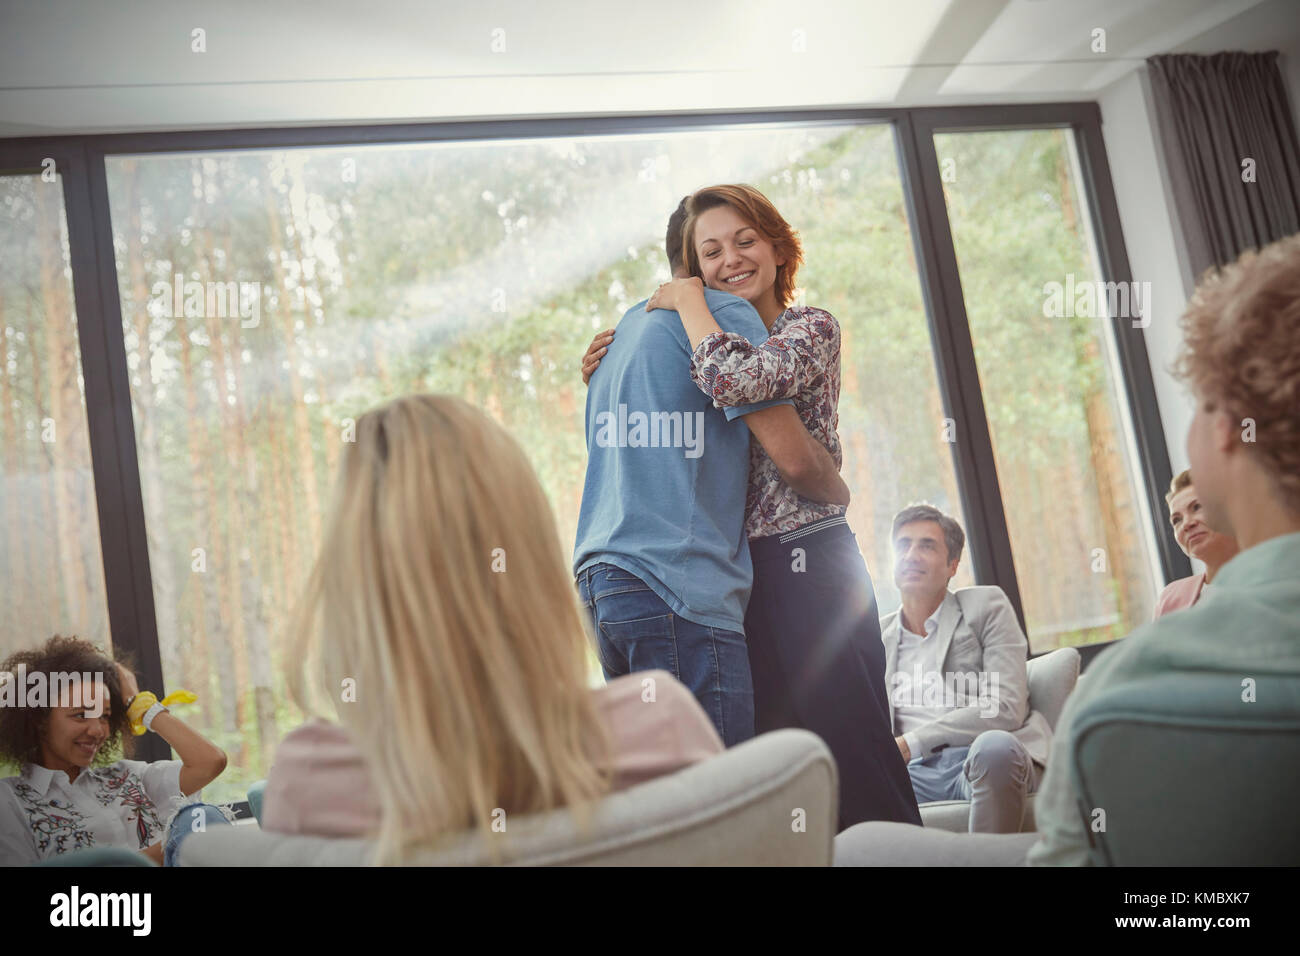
{"points": [[667, 473]]}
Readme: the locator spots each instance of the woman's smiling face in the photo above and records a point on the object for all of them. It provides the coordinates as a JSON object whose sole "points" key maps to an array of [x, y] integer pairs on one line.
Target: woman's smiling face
{"points": [[733, 256], [75, 733]]}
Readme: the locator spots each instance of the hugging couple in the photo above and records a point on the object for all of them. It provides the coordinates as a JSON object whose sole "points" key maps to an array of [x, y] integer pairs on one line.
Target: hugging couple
{"points": [[734, 569]]}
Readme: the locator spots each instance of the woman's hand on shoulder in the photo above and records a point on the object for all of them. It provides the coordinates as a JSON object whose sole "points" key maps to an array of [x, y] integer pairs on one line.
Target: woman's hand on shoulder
{"points": [[670, 294], [598, 347]]}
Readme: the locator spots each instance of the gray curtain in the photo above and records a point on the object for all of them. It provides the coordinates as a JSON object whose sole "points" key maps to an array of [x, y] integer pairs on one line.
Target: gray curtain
{"points": [[1214, 112]]}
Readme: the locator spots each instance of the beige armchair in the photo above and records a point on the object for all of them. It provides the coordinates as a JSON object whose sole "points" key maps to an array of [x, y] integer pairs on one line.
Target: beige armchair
{"points": [[1051, 679], [771, 801]]}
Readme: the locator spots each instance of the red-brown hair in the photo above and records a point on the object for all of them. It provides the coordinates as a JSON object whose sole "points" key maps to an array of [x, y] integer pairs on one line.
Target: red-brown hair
{"points": [[757, 210]]}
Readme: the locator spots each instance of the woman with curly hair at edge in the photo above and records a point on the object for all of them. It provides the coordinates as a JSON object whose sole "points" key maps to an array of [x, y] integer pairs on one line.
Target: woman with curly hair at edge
{"points": [[74, 790]]}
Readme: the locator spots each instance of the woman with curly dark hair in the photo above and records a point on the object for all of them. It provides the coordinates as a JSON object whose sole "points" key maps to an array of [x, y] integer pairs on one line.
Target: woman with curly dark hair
{"points": [[63, 710]]}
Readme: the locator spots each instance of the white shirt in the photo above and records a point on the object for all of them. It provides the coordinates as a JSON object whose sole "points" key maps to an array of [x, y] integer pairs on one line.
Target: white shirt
{"points": [[917, 656], [126, 804]]}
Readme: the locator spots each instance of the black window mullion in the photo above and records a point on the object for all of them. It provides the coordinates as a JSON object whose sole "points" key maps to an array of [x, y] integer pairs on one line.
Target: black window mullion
{"points": [[127, 581], [988, 538]]}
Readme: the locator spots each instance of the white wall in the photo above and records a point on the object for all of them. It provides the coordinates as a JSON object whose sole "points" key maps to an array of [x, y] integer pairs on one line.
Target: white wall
{"points": [[1147, 218], [1146, 212]]}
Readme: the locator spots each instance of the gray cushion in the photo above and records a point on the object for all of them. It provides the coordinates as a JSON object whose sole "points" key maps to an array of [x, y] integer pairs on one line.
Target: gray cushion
{"points": [[954, 816], [738, 808], [1051, 679], [902, 844]]}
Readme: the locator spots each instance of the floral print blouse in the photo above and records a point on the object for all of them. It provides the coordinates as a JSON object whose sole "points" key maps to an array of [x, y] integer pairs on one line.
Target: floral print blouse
{"points": [[126, 804], [800, 360]]}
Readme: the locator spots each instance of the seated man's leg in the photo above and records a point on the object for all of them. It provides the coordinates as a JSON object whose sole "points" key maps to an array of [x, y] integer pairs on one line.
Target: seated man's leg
{"points": [[997, 778], [937, 777], [195, 818]]}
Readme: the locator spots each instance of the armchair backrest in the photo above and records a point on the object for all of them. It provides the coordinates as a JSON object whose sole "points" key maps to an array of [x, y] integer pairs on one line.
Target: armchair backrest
{"points": [[1187, 771], [772, 800], [1051, 679]]}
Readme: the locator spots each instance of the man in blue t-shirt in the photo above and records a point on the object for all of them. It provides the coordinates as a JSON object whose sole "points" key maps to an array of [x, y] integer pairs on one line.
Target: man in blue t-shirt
{"points": [[661, 559]]}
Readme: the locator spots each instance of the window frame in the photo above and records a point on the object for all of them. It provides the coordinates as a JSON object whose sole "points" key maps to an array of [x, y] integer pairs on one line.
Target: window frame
{"points": [[950, 328], [81, 160]]}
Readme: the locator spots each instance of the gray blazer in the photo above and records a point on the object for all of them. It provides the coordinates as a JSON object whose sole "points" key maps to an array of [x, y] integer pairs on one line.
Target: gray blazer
{"points": [[977, 631]]}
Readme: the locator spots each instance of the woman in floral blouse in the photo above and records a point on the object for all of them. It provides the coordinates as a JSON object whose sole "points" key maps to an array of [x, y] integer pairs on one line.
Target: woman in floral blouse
{"points": [[70, 794], [811, 625]]}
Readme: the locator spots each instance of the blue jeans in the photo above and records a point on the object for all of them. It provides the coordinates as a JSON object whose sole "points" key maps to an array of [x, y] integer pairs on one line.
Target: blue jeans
{"points": [[636, 631], [185, 822]]}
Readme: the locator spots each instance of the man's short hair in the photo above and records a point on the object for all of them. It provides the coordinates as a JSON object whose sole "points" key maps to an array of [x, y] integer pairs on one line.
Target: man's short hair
{"points": [[673, 241], [1181, 480], [953, 537]]}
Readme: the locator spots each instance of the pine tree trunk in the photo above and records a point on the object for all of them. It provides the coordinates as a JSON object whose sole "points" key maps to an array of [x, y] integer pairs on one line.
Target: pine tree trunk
{"points": [[162, 561], [38, 506], [214, 629], [257, 672], [223, 561], [300, 438], [19, 559], [65, 410]]}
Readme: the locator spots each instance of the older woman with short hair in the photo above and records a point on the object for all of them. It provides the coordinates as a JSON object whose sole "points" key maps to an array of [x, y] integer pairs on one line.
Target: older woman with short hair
{"points": [[1198, 540]]}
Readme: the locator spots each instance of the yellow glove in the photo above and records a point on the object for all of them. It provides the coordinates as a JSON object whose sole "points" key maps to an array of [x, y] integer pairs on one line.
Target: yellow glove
{"points": [[142, 701]]}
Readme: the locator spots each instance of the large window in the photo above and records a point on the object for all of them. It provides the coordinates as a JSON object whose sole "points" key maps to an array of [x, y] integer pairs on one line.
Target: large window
{"points": [[1082, 548], [274, 285], [270, 297], [51, 571]]}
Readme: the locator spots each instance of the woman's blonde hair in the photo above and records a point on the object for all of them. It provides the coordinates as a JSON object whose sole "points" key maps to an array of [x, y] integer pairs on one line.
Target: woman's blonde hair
{"points": [[757, 210], [442, 596], [1180, 481]]}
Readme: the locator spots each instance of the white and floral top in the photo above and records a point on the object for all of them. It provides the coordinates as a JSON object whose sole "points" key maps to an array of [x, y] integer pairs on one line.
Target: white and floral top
{"points": [[800, 360], [126, 804]]}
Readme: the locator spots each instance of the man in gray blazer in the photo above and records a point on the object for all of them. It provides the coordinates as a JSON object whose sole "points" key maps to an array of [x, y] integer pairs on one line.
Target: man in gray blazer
{"points": [[956, 681]]}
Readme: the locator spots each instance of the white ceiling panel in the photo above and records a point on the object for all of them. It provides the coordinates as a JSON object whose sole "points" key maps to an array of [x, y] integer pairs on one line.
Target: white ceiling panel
{"points": [[71, 66]]}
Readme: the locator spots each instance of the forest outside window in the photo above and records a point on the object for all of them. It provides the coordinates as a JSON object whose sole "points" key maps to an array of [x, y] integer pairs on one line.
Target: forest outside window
{"points": [[51, 570], [269, 297]]}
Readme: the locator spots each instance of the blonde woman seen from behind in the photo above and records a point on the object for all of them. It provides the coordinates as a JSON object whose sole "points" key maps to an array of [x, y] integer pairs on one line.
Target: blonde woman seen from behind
{"points": [[441, 630]]}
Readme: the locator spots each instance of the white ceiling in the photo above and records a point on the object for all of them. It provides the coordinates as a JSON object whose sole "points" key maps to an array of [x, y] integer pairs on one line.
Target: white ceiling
{"points": [[81, 66]]}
